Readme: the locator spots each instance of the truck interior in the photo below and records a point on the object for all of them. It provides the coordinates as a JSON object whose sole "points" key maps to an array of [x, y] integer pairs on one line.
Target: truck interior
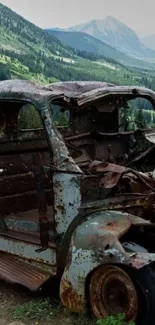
{"points": [[26, 197], [115, 132]]}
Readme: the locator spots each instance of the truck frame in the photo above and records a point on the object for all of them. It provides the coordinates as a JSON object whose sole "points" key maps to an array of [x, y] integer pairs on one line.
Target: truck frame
{"points": [[77, 201]]}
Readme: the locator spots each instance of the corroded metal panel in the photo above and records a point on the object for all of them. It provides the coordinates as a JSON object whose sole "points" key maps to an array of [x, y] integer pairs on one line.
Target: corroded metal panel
{"points": [[61, 158], [96, 242], [14, 270], [28, 251], [67, 199]]}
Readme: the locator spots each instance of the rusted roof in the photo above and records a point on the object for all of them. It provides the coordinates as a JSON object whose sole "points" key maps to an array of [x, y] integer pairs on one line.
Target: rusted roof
{"points": [[72, 87], [82, 93], [22, 90], [25, 88], [75, 88], [75, 93]]}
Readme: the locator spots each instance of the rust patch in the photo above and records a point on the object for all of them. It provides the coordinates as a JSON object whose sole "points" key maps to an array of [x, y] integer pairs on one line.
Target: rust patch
{"points": [[116, 227], [60, 207], [112, 292], [15, 271], [70, 298], [114, 173], [138, 260]]}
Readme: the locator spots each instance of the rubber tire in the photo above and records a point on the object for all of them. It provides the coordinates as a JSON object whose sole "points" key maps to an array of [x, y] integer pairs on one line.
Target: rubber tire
{"points": [[144, 280]]}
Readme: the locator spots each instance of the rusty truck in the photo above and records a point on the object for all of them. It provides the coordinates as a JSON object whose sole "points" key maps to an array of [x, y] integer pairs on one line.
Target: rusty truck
{"points": [[77, 194]]}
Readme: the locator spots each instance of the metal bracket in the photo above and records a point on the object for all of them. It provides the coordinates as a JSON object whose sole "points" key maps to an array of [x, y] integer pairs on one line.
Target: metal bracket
{"points": [[42, 206]]}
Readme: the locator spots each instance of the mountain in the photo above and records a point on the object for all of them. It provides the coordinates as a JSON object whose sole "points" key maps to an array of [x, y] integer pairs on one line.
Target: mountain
{"points": [[28, 52], [85, 42], [149, 41], [118, 35]]}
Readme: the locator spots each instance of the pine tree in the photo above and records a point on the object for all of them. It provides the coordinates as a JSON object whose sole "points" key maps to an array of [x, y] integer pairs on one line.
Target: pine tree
{"points": [[140, 119]]}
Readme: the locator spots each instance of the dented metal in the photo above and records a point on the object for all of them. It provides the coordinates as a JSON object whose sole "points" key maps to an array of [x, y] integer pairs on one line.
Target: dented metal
{"points": [[71, 196]]}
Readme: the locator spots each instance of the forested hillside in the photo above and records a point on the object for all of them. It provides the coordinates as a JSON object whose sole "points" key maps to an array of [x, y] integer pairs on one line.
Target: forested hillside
{"points": [[87, 43], [28, 52]]}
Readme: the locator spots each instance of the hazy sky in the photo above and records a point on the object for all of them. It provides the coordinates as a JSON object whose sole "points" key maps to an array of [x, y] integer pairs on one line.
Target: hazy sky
{"points": [[137, 14]]}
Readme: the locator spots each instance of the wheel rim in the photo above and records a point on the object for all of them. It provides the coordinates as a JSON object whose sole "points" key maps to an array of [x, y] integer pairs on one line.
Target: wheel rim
{"points": [[112, 292]]}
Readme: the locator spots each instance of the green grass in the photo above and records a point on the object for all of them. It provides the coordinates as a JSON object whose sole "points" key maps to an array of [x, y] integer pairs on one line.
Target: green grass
{"points": [[42, 310], [35, 310], [114, 320]]}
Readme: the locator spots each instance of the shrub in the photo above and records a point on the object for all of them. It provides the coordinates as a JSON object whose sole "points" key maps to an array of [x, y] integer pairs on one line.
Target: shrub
{"points": [[114, 320]]}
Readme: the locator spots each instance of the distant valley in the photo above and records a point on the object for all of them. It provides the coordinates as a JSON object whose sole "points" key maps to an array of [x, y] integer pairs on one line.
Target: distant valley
{"points": [[85, 42], [29, 52]]}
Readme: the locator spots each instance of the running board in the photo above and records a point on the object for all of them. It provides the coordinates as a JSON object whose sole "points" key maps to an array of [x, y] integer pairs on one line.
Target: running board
{"points": [[15, 271]]}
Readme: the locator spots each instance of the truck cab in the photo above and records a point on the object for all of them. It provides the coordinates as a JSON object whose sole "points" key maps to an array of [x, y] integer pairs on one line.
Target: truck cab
{"points": [[77, 190]]}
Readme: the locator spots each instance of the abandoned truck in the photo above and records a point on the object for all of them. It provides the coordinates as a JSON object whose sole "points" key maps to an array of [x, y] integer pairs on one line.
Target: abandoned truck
{"points": [[77, 194]]}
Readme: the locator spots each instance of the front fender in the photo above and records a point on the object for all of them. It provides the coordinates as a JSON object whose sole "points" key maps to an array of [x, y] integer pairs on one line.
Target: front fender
{"points": [[96, 242]]}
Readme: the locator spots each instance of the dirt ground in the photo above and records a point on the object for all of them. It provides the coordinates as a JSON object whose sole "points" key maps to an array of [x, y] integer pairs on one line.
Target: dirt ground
{"points": [[17, 304]]}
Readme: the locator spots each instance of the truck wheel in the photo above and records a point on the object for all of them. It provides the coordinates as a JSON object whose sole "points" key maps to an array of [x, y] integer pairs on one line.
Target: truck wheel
{"points": [[113, 290]]}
